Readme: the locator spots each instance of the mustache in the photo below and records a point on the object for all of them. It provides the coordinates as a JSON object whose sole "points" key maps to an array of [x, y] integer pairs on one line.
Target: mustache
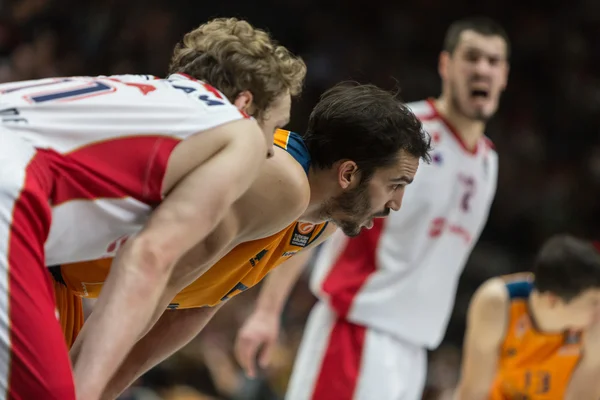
{"points": [[381, 214]]}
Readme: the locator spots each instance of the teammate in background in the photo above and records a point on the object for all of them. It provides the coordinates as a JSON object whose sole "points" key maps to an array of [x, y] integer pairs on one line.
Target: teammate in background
{"points": [[89, 161], [537, 337], [361, 149], [386, 296]]}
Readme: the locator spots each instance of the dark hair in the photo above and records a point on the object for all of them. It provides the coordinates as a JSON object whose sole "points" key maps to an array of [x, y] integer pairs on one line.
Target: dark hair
{"points": [[365, 124], [567, 266], [482, 25]]}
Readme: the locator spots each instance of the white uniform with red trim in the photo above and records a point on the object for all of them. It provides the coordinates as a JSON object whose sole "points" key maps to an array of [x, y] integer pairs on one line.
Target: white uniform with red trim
{"points": [[387, 295], [117, 129], [82, 161]]}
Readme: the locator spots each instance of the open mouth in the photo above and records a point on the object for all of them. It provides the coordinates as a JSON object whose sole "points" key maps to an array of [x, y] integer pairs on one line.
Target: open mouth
{"points": [[479, 94]]}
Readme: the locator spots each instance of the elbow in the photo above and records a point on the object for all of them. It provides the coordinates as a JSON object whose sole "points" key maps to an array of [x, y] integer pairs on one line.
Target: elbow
{"points": [[150, 257]]}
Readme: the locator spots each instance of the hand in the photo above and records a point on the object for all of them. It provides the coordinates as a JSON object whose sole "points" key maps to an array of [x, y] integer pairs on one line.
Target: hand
{"points": [[259, 333], [221, 366]]}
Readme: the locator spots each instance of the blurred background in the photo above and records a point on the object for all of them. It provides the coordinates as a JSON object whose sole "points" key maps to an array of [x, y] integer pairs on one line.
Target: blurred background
{"points": [[546, 132]]}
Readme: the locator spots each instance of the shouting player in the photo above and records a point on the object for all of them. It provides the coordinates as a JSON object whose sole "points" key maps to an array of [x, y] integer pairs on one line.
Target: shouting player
{"points": [[537, 337], [89, 161], [360, 151], [387, 295]]}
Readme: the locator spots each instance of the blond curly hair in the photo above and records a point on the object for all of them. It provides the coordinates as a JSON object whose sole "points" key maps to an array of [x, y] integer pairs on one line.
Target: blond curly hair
{"points": [[233, 56]]}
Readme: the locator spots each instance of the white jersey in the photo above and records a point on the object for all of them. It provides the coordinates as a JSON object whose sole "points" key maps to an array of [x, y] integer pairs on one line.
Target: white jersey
{"points": [[107, 141], [401, 276]]}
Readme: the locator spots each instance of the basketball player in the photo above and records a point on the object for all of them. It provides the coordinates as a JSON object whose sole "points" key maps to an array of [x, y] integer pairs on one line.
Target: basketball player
{"points": [[386, 295], [537, 337], [88, 161], [360, 151]]}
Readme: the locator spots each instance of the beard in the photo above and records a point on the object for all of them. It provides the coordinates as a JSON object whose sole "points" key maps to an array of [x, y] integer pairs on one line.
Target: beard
{"points": [[355, 207]]}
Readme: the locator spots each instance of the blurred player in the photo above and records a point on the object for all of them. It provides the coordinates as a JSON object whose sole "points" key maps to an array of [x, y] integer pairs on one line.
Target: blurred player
{"points": [[360, 151], [89, 161], [386, 295], [537, 337]]}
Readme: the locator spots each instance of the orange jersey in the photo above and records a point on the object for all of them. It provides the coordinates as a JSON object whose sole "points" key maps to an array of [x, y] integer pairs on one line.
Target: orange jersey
{"points": [[243, 267], [532, 365]]}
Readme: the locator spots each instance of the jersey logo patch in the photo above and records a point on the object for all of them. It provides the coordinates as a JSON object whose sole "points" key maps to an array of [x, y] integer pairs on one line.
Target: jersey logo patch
{"points": [[302, 233]]}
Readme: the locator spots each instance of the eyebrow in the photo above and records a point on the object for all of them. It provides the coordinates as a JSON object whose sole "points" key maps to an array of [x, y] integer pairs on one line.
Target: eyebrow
{"points": [[402, 179], [474, 49]]}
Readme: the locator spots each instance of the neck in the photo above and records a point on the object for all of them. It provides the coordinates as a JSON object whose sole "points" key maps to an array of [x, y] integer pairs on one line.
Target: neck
{"points": [[544, 318], [320, 192], [469, 130]]}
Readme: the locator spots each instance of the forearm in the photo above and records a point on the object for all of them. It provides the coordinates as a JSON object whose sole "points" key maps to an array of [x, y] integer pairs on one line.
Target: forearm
{"points": [[477, 376], [128, 299], [279, 283], [161, 306], [173, 330]]}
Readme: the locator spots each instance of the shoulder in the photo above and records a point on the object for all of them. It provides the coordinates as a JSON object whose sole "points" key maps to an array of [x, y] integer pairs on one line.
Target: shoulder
{"points": [[488, 148], [287, 183], [276, 198], [422, 109], [132, 78], [198, 95], [489, 304], [492, 293], [487, 317]]}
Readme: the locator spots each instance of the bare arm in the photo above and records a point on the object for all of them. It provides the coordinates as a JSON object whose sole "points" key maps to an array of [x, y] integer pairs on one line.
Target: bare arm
{"points": [[486, 324], [261, 329], [142, 269], [173, 330], [244, 222], [259, 213], [280, 282], [187, 269]]}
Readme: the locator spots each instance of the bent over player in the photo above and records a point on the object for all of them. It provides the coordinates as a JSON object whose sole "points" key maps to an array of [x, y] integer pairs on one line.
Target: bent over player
{"points": [[89, 161], [537, 336], [360, 151]]}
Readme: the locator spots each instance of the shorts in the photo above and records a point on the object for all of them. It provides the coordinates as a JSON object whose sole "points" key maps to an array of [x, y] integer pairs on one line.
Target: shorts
{"points": [[34, 360], [70, 311], [344, 361]]}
